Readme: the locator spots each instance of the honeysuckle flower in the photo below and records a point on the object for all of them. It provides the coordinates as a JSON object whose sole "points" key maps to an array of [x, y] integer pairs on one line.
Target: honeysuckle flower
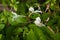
{"points": [[31, 9], [38, 19], [16, 16], [38, 22]]}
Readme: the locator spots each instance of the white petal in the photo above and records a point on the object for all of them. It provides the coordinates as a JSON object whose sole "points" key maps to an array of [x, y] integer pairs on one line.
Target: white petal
{"points": [[38, 22], [37, 11], [38, 19], [31, 9], [14, 13]]}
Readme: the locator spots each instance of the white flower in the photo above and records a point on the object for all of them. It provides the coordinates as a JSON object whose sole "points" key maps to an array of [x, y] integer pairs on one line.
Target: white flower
{"points": [[38, 19], [38, 22], [16, 16], [31, 9]]}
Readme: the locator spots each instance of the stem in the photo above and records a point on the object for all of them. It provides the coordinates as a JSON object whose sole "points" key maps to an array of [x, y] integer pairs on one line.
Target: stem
{"points": [[29, 14], [51, 29], [57, 30]]}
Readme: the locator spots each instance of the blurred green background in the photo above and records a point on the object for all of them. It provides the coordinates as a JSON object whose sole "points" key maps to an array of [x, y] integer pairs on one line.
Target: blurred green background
{"points": [[22, 27]]}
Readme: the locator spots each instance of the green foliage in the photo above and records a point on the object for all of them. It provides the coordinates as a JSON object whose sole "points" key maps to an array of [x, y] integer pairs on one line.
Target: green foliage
{"points": [[38, 33], [22, 8], [2, 27], [31, 36], [33, 16], [0, 36], [18, 30], [21, 25], [45, 16]]}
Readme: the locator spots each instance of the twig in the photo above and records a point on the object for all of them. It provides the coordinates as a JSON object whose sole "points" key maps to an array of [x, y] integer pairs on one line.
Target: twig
{"points": [[47, 7], [29, 14], [51, 29], [57, 29]]}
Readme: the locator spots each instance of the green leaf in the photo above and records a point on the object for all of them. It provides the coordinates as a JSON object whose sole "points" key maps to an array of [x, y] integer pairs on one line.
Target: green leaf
{"points": [[21, 20], [57, 36], [16, 37], [22, 9], [13, 1], [48, 1], [52, 6], [34, 15], [30, 2], [2, 27], [7, 13], [50, 23], [17, 20], [3, 19], [18, 30], [48, 34], [0, 36], [45, 16], [38, 33], [31, 35]]}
